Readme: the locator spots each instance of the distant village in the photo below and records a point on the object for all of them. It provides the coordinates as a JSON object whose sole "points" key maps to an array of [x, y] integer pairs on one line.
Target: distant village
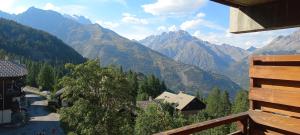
{"points": [[13, 97]]}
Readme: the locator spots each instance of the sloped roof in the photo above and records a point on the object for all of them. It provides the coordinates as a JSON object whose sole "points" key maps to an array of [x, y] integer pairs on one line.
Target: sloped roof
{"points": [[11, 69], [59, 92], [181, 99]]}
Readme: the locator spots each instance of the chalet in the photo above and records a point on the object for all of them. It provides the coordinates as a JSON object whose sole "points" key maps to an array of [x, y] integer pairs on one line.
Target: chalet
{"points": [[12, 76], [187, 104]]}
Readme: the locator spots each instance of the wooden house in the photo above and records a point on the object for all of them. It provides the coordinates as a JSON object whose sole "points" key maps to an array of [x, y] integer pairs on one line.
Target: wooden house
{"points": [[12, 76], [185, 103]]}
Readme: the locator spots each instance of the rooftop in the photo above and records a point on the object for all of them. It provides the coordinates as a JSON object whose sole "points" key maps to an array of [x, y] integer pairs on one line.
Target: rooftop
{"points": [[181, 99], [12, 69]]}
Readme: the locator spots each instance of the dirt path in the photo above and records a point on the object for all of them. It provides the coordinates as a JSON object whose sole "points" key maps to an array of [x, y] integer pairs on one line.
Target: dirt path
{"points": [[41, 120]]}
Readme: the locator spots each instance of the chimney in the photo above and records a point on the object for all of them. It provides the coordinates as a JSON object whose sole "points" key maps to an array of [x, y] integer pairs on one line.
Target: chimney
{"points": [[150, 98], [6, 58]]}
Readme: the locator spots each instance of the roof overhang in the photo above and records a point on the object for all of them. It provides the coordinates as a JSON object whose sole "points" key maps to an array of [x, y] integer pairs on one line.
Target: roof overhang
{"points": [[242, 3], [261, 15]]}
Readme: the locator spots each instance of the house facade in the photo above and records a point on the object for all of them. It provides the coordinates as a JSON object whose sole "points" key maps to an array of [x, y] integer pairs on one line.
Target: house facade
{"points": [[185, 103], [12, 77]]}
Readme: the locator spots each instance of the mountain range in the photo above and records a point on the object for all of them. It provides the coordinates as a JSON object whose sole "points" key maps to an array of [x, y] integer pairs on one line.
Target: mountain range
{"points": [[20, 40], [222, 59], [183, 47], [93, 41]]}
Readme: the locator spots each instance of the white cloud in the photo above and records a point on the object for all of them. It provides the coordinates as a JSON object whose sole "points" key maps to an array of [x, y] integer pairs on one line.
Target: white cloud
{"points": [[173, 7], [50, 6], [129, 18], [161, 28], [200, 21], [172, 28], [257, 39], [136, 32], [190, 24], [200, 15], [122, 2], [67, 9], [10, 6], [108, 24], [248, 43]]}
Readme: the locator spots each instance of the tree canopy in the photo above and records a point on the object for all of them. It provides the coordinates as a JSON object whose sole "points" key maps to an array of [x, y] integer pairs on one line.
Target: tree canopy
{"points": [[101, 103]]}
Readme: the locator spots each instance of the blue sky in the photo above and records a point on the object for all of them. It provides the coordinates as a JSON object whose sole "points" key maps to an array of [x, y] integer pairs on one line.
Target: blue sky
{"points": [[136, 19]]}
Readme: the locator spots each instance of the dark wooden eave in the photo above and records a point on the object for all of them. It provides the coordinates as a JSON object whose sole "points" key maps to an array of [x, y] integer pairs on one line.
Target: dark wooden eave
{"points": [[243, 3], [262, 15]]}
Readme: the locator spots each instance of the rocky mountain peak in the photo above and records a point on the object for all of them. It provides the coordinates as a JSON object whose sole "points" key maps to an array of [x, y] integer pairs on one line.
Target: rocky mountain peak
{"points": [[251, 49]]}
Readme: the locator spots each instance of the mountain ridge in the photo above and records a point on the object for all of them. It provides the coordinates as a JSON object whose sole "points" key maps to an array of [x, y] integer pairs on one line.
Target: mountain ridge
{"points": [[94, 41], [183, 47]]}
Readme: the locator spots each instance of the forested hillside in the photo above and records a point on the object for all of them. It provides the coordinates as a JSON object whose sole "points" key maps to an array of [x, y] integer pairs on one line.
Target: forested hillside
{"points": [[34, 44]]}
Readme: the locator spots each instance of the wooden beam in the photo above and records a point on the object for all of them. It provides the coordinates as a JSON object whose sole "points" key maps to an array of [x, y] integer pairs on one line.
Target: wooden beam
{"points": [[276, 58], [239, 3], [186, 130], [275, 72], [276, 121], [279, 109], [284, 97], [269, 16], [236, 133]]}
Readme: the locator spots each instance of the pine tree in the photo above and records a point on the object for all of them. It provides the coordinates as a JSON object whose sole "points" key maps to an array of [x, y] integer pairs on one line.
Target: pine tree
{"points": [[218, 105], [225, 103], [214, 108], [240, 104], [133, 80], [46, 77]]}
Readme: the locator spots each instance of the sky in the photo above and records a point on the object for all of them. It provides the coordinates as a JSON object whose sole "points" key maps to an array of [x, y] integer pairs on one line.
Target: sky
{"points": [[137, 19]]}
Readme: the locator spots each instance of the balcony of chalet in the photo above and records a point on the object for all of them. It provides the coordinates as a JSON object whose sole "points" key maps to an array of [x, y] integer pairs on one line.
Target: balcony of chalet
{"points": [[274, 91], [274, 100]]}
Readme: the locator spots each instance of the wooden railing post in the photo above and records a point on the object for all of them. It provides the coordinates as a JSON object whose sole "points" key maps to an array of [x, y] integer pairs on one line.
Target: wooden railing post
{"points": [[242, 125]]}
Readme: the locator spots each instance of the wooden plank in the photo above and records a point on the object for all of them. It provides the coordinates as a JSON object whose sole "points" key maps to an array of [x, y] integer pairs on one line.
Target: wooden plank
{"points": [[236, 133], [277, 84], [276, 58], [286, 97], [281, 87], [242, 126], [275, 72], [276, 121], [251, 103], [265, 132], [279, 109], [186, 130]]}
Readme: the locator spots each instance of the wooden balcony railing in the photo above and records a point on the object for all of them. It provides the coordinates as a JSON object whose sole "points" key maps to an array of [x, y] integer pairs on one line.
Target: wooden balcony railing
{"points": [[274, 100], [241, 118]]}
